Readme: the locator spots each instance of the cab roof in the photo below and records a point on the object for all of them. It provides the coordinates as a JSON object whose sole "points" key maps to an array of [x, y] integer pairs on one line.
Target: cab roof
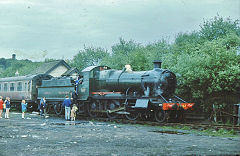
{"points": [[90, 68]]}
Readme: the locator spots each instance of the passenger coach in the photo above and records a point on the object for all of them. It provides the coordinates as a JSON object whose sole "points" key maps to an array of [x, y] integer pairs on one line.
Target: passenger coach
{"points": [[22, 87]]}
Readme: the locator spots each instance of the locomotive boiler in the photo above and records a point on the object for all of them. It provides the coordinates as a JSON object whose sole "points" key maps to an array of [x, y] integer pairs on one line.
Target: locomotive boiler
{"points": [[157, 82]]}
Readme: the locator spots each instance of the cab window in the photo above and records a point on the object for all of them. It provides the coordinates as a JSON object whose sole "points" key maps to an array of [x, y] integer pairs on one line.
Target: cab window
{"points": [[5, 88], [19, 86], [12, 86]]}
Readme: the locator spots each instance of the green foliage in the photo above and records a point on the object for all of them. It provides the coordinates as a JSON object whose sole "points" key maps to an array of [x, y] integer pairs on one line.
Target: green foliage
{"points": [[208, 132], [218, 27], [89, 57], [10, 67], [221, 132], [121, 53], [138, 56]]}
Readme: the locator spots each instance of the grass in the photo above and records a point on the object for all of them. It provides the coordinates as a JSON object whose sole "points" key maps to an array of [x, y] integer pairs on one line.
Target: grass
{"points": [[221, 132], [207, 132]]}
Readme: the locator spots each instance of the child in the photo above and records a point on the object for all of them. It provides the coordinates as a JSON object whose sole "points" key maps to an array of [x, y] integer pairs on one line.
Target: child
{"points": [[7, 105], [73, 112], [43, 105], [24, 108]]}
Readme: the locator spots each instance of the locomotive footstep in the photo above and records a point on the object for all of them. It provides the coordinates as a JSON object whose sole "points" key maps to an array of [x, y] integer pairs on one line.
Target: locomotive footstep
{"points": [[43, 124], [37, 113], [15, 113]]}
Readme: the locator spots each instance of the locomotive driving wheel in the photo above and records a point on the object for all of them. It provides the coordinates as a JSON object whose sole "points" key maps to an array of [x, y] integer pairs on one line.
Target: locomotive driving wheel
{"points": [[111, 107], [160, 115], [93, 107], [132, 116], [81, 108], [58, 108], [48, 107]]}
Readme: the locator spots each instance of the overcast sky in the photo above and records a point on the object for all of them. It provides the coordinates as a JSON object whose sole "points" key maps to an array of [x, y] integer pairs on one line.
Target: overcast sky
{"points": [[60, 28]]}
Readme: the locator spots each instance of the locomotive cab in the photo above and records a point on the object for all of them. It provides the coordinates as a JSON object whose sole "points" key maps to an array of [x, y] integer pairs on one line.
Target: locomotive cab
{"points": [[90, 80]]}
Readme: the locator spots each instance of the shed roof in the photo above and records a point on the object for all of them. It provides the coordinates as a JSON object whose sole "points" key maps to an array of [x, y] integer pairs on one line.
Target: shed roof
{"points": [[71, 71], [47, 67]]}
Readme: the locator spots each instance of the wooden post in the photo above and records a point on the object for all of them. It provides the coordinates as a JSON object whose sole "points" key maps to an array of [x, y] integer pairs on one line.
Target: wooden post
{"points": [[236, 113], [214, 113]]}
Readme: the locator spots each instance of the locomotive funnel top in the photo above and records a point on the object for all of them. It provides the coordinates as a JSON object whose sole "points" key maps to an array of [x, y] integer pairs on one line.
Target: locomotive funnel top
{"points": [[157, 64]]}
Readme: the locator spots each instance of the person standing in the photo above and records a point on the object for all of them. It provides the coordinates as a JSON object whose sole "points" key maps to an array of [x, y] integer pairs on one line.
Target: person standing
{"points": [[24, 108], [73, 112], [7, 103], [1, 106], [67, 104], [43, 105]]}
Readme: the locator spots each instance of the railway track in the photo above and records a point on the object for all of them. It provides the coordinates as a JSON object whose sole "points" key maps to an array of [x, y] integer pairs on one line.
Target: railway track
{"points": [[198, 126]]}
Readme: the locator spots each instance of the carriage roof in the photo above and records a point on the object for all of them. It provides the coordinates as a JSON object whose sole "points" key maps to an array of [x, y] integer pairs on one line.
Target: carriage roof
{"points": [[26, 77]]}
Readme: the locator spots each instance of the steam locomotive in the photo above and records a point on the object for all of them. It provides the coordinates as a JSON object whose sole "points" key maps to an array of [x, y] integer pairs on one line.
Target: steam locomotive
{"points": [[100, 90]]}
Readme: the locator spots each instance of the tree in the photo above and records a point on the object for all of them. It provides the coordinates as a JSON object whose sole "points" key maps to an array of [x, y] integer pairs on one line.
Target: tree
{"points": [[218, 27], [89, 57], [120, 55], [210, 71], [24, 67]]}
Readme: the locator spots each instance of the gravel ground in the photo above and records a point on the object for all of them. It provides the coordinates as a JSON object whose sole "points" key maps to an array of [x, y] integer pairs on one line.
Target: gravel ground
{"points": [[55, 136]]}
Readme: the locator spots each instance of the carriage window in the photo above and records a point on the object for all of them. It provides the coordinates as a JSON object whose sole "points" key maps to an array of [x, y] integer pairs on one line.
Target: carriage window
{"points": [[5, 88], [19, 86], [29, 85], [12, 87], [25, 86]]}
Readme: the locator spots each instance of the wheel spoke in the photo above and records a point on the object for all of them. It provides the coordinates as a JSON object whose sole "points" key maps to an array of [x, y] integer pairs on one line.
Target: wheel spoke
{"points": [[160, 115], [112, 105], [132, 116], [92, 108], [48, 108], [58, 108], [81, 109]]}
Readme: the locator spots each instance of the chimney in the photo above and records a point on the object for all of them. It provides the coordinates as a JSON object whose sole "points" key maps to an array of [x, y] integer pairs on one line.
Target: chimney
{"points": [[13, 56], [157, 64]]}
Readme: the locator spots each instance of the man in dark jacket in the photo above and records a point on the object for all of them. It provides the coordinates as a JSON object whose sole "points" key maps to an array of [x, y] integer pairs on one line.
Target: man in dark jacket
{"points": [[67, 104]]}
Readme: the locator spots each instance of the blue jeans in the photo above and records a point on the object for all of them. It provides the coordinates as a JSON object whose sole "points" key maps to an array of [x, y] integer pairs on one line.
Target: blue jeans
{"points": [[67, 113]]}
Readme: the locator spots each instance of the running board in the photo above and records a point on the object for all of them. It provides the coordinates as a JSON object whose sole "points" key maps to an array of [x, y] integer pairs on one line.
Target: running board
{"points": [[116, 110], [123, 113], [110, 111]]}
